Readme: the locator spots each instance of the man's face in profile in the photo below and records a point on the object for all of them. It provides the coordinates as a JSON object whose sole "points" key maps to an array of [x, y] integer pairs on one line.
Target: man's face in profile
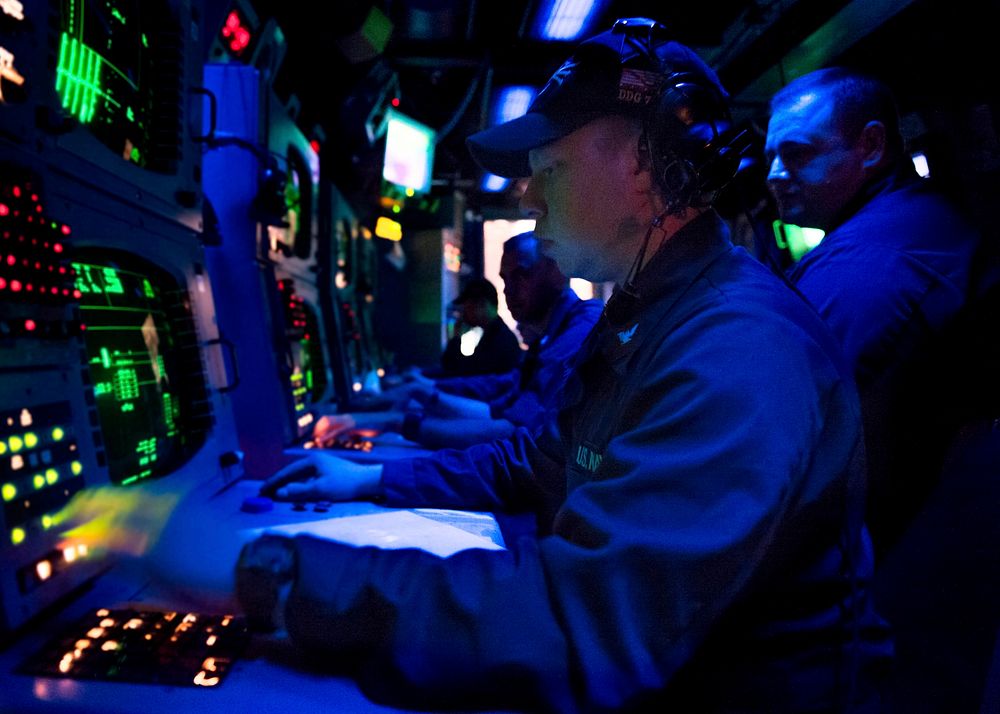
{"points": [[582, 196], [814, 171]]}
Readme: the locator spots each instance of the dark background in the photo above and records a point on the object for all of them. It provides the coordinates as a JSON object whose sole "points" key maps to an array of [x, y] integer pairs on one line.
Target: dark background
{"points": [[444, 58]]}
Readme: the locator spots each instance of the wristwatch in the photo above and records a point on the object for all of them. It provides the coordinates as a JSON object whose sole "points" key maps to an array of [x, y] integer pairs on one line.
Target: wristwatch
{"points": [[265, 572]]}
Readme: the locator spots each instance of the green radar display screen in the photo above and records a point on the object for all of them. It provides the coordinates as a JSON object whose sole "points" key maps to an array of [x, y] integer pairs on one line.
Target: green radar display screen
{"points": [[143, 362], [117, 74]]}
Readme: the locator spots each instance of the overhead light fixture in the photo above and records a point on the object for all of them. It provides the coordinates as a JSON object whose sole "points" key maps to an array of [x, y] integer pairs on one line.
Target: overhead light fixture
{"points": [[565, 20], [512, 102], [494, 184], [508, 103]]}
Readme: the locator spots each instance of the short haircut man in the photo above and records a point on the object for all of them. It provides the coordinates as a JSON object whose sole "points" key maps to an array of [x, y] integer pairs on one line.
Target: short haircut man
{"points": [[891, 275]]}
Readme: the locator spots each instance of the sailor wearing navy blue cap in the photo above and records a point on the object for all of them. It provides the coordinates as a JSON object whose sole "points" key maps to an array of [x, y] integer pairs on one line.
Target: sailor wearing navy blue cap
{"points": [[698, 495]]}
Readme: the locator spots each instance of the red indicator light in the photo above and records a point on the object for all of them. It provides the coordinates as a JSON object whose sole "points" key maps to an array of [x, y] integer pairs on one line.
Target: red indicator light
{"points": [[65, 230], [17, 192], [4, 211], [29, 287], [58, 248], [395, 101], [3, 283], [77, 294], [54, 291], [15, 286], [34, 197], [11, 260], [30, 325], [38, 208], [239, 36], [82, 327], [240, 40], [62, 270]]}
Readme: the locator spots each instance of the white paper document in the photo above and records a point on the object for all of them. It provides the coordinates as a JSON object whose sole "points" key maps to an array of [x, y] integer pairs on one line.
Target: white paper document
{"points": [[426, 529]]}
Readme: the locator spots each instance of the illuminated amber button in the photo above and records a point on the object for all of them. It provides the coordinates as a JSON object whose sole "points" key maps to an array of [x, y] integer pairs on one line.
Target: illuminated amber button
{"points": [[17, 535], [31, 440], [9, 491], [58, 434]]}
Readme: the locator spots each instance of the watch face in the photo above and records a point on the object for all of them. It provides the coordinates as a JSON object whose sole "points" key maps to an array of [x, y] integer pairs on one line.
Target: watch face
{"points": [[271, 554]]}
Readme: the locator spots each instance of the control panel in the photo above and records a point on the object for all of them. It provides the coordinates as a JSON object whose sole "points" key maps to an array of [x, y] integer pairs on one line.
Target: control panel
{"points": [[44, 460]]}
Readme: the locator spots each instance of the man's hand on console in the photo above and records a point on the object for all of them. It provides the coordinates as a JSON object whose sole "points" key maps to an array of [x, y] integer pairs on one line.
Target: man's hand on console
{"points": [[330, 427], [323, 477], [333, 427]]}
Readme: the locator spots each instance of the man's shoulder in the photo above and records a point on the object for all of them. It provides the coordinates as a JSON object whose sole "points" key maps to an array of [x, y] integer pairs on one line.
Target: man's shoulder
{"points": [[914, 211], [913, 230]]}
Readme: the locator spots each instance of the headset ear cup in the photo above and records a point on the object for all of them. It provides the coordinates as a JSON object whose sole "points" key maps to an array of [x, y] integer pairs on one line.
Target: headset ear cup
{"points": [[677, 178], [684, 138]]}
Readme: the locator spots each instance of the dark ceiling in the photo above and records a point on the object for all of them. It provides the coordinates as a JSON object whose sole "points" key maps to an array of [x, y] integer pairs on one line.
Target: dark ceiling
{"points": [[448, 56]]}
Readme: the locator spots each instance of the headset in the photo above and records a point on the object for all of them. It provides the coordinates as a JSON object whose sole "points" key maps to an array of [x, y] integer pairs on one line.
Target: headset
{"points": [[687, 134], [693, 149]]}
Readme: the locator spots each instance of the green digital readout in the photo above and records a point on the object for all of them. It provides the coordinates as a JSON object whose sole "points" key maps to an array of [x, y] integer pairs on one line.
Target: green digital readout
{"points": [[139, 365]]}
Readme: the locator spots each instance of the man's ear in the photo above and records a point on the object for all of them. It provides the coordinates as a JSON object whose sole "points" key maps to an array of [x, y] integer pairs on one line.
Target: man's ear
{"points": [[874, 145]]}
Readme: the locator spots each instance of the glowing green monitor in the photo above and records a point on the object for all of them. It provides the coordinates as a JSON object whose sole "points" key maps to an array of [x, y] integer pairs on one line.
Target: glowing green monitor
{"points": [[144, 365]]}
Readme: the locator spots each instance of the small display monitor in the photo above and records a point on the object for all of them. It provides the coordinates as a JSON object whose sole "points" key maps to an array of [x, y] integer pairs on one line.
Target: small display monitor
{"points": [[797, 240], [307, 377], [144, 363], [294, 235], [409, 152]]}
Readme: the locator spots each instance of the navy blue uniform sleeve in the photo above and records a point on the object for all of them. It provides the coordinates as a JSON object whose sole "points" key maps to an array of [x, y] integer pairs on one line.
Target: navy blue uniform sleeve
{"points": [[518, 473], [485, 388], [692, 496], [474, 628]]}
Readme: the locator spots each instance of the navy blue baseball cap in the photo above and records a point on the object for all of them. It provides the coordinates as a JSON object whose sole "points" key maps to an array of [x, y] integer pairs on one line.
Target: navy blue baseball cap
{"points": [[619, 72]]}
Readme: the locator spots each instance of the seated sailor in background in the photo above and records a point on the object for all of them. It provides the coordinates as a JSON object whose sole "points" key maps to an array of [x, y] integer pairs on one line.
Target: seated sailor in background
{"points": [[692, 554], [462, 411], [497, 349]]}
